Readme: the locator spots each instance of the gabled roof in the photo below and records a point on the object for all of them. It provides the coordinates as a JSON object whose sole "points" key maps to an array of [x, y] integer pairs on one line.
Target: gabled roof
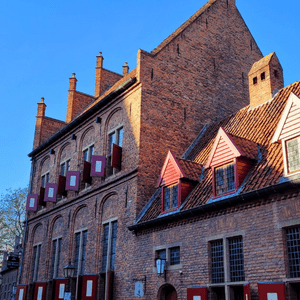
{"points": [[174, 168], [289, 123], [235, 147], [262, 62], [247, 129]]}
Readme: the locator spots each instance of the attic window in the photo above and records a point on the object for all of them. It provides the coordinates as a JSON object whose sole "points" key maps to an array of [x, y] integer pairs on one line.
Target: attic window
{"points": [[255, 80], [293, 154], [263, 76], [224, 179], [170, 197]]}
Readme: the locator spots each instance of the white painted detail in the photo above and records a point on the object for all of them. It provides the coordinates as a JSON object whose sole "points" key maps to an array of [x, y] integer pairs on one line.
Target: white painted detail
{"points": [[40, 293], [272, 296], [61, 291], [51, 192], [98, 166], [21, 292], [89, 287]]}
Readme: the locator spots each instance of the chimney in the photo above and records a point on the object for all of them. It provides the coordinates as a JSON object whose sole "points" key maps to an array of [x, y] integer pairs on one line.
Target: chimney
{"points": [[265, 79], [38, 124], [71, 98], [99, 67], [125, 69]]}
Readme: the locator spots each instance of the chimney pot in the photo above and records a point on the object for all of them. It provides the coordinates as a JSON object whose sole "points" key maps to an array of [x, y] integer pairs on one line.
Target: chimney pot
{"points": [[125, 69], [72, 83]]}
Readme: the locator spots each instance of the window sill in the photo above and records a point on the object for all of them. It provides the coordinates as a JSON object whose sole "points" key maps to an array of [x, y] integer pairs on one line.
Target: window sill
{"points": [[222, 284], [223, 195]]}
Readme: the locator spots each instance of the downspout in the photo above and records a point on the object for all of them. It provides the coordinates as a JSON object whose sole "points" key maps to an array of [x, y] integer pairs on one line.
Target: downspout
{"points": [[26, 223]]}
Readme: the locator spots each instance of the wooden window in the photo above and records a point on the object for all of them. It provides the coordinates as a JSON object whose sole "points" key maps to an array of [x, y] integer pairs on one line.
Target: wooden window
{"points": [[35, 262], [114, 137], [224, 179], [293, 250], [45, 179], [227, 252], [56, 250], [109, 246], [80, 252], [170, 197], [293, 154], [64, 167], [174, 256]]}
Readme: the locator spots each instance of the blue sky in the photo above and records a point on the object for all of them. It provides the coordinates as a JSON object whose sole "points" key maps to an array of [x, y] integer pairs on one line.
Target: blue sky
{"points": [[43, 42]]}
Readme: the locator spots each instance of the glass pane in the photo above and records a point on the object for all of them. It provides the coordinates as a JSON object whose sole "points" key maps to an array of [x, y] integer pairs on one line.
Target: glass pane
{"points": [[230, 178], [162, 254], [53, 258], [112, 138], [217, 263], [91, 153], [293, 155], [167, 204], [236, 259], [175, 256], [175, 196], [105, 247], [43, 181], [220, 184], [68, 165], [85, 155], [113, 244], [58, 257], [293, 249], [63, 169], [120, 135], [84, 241], [77, 248], [33, 263]]}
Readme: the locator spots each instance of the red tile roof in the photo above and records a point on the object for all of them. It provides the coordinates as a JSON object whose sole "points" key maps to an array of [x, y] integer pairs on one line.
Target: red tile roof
{"points": [[191, 169], [248, 127]]}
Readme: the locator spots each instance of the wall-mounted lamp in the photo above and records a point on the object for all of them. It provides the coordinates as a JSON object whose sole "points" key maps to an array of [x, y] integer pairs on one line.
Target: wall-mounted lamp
{"points": [[52, 151], [68, 274], [73, 137], [160, 266], [98, 120]]}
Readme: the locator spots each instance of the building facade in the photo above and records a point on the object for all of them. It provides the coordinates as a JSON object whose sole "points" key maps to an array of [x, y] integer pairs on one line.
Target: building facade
{"points": [[93, 174]]}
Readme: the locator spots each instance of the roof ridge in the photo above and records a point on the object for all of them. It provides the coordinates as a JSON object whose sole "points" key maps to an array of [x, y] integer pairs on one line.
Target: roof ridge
{"points": [[181, 28]]}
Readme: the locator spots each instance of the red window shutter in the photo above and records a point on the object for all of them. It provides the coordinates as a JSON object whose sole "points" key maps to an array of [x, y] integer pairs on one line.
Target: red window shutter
{"points": [[93, 292], [58, 282], [265, 288], [247, 292], [41, 197], [22, 288], [110, 285], [32, 201], [116, 157], [197, 291], [61, 188], [86, 177], [43, 286]]}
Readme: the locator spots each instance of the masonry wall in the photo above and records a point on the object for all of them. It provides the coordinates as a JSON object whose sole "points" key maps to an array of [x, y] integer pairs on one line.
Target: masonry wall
{"points": [[199, 76], [261, 223]]}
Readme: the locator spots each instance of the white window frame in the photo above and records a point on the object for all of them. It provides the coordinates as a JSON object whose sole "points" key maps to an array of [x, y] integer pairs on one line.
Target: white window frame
{"points": [[285, 158]]}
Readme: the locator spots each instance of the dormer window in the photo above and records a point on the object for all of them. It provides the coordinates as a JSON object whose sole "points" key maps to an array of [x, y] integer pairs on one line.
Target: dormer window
{"points": [[225, 181], [170, 197], [293, 154], [231, 159], [177, 179], [288, 132]]}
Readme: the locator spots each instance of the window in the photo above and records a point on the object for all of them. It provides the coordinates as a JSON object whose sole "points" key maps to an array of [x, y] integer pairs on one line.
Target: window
{"points": [[235, 260], [255, 80], [263, 76], [224, 179], [35, 262], [293, 154], [56, 249], [170, 197], [87, 153], [45, 179], [80, 252], [293, 250], [114, 137], [64, 167], [175, 256], [109, 246]]}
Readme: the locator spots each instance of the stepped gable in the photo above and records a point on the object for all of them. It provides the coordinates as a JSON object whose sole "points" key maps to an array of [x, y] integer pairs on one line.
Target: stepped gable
{"points": [[247, 128]]}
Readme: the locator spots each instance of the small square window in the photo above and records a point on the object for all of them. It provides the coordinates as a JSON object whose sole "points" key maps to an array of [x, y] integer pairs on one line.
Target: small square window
{"points": [[174, 256], [224, 178], [170, 197]]}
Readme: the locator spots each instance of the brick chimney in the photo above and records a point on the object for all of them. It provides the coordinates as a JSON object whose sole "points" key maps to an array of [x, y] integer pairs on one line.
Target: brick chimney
{"points": [[265, 79], [71, 98], [39, 120], [99, 66], [125, 69]]}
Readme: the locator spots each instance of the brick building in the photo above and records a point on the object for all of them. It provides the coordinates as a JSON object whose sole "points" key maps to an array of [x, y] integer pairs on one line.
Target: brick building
{"points": [[93, 174], [226, 213]]}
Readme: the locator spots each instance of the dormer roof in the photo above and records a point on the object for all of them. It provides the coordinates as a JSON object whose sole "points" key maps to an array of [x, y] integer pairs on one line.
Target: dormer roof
{"points": [[227, 147], [289, 124], [174, 169]]}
